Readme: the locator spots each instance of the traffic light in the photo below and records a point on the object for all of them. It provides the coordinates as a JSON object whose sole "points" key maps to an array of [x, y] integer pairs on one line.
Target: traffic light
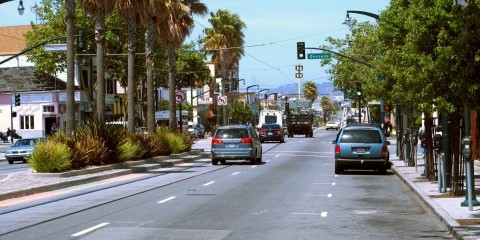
{"points": [[227, 87], [17, 99], [388, 108], [266, 96], [81, 40], [287, 107], [359, 88], [234, 87], [300, 50], [275, 95], [217, 87], [14, 114]]}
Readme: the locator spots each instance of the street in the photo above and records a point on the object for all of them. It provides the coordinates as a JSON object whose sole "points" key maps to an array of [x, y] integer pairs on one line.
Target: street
{"points": [[294, 194]]}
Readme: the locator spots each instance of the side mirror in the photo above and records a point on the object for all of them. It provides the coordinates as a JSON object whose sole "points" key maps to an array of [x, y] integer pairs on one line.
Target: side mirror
{"points": [[388, 143], [334, 141]]}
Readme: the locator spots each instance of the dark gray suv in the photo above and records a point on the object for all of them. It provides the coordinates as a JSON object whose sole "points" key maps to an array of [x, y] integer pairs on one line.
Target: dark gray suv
{"points": [[361, 146], [234, 142]]}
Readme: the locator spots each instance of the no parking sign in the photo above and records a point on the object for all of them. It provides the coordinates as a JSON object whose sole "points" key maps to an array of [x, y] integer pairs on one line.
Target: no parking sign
{"points": [[180, 96]]}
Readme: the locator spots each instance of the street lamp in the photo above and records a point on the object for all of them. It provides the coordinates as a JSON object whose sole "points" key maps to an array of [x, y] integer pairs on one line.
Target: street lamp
{"points": [[248, 96], [21, 8]]}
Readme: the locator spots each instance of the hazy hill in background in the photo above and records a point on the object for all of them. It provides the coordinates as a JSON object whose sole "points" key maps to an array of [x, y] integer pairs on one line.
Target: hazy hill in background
{"points": [[324, 88]]}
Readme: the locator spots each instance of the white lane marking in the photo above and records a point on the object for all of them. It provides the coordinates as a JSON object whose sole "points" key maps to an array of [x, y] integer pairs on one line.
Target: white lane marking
{"points": [[322, 214], [206, 184], [89, 229], [166, 199], [319, 195], [333, 183], [267, 161], [235, 173], [278, 155], [254, 166]]}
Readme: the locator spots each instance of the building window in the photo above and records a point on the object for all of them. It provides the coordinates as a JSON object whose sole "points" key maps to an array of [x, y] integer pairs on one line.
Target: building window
{"points": [[111, 86], [26, 122], [49, 109]]}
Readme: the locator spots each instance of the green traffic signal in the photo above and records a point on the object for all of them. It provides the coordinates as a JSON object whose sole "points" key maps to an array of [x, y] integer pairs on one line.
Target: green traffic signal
{"points": [[17, 99], [300, 50]]}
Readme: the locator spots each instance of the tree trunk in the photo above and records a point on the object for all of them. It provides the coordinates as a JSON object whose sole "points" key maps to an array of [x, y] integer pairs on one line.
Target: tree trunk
{"points": [[100, 40], [172, 88], [70, 117], [149, 35], [132, 86]]}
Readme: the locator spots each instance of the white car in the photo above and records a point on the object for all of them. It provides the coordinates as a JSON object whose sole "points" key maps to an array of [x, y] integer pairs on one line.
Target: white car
{"points": [[332, 125]]}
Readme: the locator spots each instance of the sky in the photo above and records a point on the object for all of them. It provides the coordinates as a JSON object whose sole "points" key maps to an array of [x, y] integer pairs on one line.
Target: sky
{"points": [[273, 28]]}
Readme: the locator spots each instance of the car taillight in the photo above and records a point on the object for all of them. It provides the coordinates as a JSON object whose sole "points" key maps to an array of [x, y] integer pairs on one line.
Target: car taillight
{"points": [[246, 140], [262, 132], [217, 141], [278, 132], [384, 150], [337, 149]]}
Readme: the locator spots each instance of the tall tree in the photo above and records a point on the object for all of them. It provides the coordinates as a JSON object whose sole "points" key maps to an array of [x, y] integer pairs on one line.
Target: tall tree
{"points": [[224, 40], [172, 33], [70, 117], [133, 12], [310, 91], [100, 8]]}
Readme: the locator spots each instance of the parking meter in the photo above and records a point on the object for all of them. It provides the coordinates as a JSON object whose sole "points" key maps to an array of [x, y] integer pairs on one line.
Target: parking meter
{"points": [[437, 142], [406, 137], [467, 151]]}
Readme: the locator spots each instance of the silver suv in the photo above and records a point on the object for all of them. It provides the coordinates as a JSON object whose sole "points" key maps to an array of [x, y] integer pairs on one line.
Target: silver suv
{"points": [[234, 142], [196, 130]]}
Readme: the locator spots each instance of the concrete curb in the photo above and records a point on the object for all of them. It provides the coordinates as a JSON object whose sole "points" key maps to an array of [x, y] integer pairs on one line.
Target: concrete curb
{"points": [[106, 172], [64, 184], [443, 216]]}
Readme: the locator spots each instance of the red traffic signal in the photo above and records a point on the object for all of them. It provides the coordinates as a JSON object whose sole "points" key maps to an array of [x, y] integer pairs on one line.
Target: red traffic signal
{"points": [[388, 108]]}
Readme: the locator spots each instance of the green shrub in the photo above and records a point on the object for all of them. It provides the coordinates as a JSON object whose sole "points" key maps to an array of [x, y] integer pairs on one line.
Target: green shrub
{"points": [[50, 157], [154, 145], [88, 151], [112, 136], [175, 142], [132, 149]]}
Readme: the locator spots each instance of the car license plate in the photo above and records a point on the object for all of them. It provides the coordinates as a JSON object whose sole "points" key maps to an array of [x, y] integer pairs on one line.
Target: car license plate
{"points": [[360, 150], [231, 145], [269, 133]]}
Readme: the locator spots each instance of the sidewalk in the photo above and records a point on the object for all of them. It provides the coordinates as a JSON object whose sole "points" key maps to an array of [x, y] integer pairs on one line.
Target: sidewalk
{"points": [[462, 223]]}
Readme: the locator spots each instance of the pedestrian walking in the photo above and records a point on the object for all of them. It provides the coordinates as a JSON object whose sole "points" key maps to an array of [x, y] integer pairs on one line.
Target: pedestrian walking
{"points": [[53, 129], [9, 134]]}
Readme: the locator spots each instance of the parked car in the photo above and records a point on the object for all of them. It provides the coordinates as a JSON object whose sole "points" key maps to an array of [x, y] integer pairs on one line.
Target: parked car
{"points": [[271, 132], [361, 146], [236, 142], [196, 130], [332, 125], [22, 149]]}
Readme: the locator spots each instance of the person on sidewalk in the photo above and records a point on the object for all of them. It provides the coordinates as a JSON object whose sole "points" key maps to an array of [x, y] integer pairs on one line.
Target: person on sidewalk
{"points": [[9, 134], [421, 136]]}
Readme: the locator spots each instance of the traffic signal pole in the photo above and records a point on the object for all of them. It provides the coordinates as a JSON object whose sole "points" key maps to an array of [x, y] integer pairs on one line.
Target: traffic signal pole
{"points": [[11, 115]]}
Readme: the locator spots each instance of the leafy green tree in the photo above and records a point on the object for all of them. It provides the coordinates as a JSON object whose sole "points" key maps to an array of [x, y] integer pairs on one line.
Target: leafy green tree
{"points": [[239, 113], [328, 107], [310, 91]]}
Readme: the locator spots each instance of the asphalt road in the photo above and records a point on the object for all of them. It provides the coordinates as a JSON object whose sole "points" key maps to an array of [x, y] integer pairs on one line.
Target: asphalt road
{"points": [[294, 194]]}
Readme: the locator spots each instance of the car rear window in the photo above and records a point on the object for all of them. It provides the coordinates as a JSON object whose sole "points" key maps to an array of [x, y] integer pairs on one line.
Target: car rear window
{"points": [[271, 126], [360, 136], [231, 133]]}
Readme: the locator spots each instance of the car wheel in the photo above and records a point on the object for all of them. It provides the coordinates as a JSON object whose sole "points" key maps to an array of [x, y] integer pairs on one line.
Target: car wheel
{"points": [[261, 141], [24, 161], [223, 162], [10, 161], [214, 162], [259, 160], [282, 140]]}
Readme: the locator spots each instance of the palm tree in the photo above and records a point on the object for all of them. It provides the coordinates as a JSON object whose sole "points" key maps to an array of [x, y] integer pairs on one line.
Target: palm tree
{"points": [[133, 11], [70, 117], [100, 8], [172, 33], [310, 91], [224, 40]]}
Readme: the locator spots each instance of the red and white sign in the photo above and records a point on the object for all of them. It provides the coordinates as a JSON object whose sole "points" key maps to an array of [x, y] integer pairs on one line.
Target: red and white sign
{"points": [[180, 96], [222, 100]]}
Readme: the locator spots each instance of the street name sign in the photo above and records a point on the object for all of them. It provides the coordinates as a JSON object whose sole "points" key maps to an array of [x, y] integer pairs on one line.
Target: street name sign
{"points": [[319, 55]]}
